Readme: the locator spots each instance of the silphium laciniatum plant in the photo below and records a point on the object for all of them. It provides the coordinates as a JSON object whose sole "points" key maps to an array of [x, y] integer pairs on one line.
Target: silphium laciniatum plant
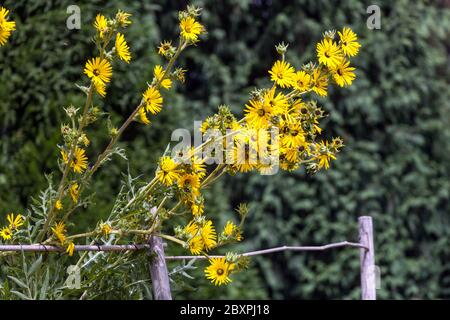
{"points": [[280, 129]]}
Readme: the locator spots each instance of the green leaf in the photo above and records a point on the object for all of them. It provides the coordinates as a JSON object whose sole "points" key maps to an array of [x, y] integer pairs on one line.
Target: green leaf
{"points": [[18, 282], [20, 295]]}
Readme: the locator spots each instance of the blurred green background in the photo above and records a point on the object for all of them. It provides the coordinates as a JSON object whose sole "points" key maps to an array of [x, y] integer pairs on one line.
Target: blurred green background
{"points": [[395, 121]]}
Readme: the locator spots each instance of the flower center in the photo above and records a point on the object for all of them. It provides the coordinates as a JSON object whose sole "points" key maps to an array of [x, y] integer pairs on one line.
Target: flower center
{"points": [[220, 271], [261, 112], [339, 72], [96, 72]]}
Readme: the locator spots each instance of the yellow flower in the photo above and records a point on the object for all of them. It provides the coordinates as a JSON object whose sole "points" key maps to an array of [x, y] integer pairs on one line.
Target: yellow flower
{"points": [[343, 74], [59, 230], [218, 271], [100, 87], [282, 73], [293, 136], [153, 100], [319, 82], [98, 70], [258, 114], [101, 24], [167, 172], [6, 27], [329, 53], [190, 183], [58, 205], [143, 116], [165, 48], [159, 75], [85, 139], [349, 42], [229, 228], [190, 29], [122, 18], [208, 234], [279, 104], [70, 249], [324, 155], [6, 233], [302, 81], [14, 222], [106, 229], [196, 245], [74, 192], [191, 228], [122, 49], [197, 209], [79, 160]]}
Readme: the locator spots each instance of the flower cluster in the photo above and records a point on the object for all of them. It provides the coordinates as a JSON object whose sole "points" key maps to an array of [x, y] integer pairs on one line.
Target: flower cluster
{"points": [[280, 128], [14, 223], [6, 26]]}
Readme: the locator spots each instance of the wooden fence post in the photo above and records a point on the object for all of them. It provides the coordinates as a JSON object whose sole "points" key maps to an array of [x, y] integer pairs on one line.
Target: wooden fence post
{"points": [[367, 259], [158, 268]]}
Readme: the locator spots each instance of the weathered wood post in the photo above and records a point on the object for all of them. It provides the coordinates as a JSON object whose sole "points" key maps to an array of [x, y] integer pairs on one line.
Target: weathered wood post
{"points": [[367, 259], [158, 269]]}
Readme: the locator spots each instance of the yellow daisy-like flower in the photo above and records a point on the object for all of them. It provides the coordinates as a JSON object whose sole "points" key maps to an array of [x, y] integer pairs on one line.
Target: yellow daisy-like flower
{"points": [[85, 140], [343, 74], [329, 53], [294, 136], [159, 75], [59, 230], [302, 81], [190, 29], [14, 221], [319, 82], [106, 229], [79, 160], [98, 70], [278, 103], [258, 114], [74, 192], [58, 205], [218, 271], [190, 183], [196, 245], [100, 87], [191, 228], [349, 42], [153, 100], [208, 234], [197, 209], [167, 172], [324, 155], [123, 18], [282, 73], [101, 24], [6, 27], [165, 48], [229, 228], [6, 233], [143, 116], [70, 249], [122, 49]]}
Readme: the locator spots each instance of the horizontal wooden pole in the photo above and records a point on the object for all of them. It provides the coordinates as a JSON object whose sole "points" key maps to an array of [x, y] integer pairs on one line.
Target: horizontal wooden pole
{"points": [[133, 247]]}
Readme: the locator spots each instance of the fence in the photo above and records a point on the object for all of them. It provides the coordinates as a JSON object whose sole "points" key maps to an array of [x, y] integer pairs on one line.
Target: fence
{"points": [[158, 267]]}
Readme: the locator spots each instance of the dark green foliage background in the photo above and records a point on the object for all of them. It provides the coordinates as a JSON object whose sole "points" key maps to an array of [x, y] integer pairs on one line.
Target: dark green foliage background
{"points": [[394, 121]]}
